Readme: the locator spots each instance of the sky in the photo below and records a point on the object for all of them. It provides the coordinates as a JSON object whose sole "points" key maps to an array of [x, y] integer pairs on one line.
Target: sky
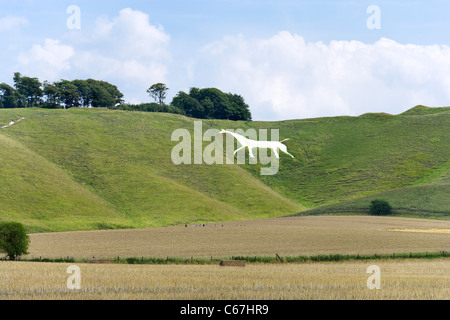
{"points": [[287, 59]]}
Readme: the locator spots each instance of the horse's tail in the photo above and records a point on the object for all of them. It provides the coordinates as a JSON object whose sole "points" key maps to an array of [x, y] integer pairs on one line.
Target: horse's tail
{"points": [[284, 140]]}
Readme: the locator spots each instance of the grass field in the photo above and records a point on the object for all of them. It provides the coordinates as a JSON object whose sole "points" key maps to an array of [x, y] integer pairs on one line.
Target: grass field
{"points": [[121, 163], [410, 279], [422, 200], [308, 235]]}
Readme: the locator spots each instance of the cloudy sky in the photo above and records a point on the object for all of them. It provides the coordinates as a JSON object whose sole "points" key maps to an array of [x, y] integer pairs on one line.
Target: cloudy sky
{"points": [[288, 59]]}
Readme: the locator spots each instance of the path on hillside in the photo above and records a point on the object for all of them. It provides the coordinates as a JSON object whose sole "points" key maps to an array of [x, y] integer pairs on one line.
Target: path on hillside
{"points": [[11, 123]]}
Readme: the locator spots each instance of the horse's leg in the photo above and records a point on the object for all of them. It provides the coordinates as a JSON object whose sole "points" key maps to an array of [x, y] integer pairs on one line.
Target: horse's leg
{"points": [[287, 153], [274, 150], [250, 151], [238, 149]]}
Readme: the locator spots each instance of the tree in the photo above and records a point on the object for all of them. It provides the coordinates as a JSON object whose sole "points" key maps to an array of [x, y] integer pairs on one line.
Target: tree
{"points": [[14, 240], [207, 107], [190, 106], [68, 93], [380, 207], [10, 97], [218, 106], [239, 110], [84, 92], [158, 92], [51, 96], [113, 92], [104, 94], [16, 79], [30, 88], [101, 98]]}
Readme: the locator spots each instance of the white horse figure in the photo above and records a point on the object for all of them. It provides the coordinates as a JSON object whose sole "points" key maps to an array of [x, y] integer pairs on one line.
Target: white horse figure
{"points": [[274, 145]]}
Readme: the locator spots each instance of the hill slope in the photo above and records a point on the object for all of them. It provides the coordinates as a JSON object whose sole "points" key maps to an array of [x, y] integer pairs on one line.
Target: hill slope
{"points": [[428, 197], [343, 158], [95, 168], [123, 159]]}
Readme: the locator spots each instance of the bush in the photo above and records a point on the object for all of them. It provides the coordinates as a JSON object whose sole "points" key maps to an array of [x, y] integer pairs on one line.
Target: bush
{"points": [[14, 240], [380, 208]]}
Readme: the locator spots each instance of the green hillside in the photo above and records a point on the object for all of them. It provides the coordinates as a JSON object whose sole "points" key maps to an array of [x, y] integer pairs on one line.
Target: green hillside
{"points": [[344, 158], [428, 197], [420, 110], [122, 161], [94, 168]]}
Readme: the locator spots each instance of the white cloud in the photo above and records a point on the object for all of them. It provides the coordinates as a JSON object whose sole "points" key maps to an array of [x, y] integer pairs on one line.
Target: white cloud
{"points": [[131, 34], [49, 60], [297, 79], [126, 50], [12, 22], [126, 47]]}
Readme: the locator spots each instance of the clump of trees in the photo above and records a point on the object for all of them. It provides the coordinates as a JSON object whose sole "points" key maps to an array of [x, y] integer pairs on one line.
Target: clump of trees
{"points": [[211, 103], [30, 92], [380, 208], [14, 240], [207, 103]]}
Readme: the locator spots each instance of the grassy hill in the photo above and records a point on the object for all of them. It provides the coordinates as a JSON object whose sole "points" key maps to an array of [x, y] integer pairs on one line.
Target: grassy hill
{"points": [[82, 169], [345, 158], [113, 169], [427, 197], [421, 110], [428, 194]]}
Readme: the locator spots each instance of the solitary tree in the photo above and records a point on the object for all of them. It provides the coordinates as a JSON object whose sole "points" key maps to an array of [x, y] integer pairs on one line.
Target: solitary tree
{"points": [[14, 240], [158, 92], [380, 208]]}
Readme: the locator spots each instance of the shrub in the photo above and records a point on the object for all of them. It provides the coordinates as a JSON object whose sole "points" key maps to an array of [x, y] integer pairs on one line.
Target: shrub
{"points": [[380, 208], [14, 240]]}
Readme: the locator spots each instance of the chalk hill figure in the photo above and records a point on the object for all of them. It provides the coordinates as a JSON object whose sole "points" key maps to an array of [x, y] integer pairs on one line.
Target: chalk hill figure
{"points": [[245, 142]]}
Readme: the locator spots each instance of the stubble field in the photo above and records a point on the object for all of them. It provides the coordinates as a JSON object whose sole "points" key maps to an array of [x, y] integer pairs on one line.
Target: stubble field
{"points": [[308, 235], [407, 279]]}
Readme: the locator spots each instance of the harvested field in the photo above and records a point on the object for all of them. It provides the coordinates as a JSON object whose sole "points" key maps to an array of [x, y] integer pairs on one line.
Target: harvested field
{"points": [[308, 235], [232, 263], [424, 230], [407, 279]]}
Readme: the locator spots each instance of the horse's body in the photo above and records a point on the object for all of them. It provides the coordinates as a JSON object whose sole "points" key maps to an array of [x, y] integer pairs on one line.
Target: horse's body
{"points": [[273, 145]]}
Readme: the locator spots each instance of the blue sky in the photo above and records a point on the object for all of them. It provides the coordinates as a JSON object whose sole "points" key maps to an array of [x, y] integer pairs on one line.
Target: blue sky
{"points": [[288, 59]]}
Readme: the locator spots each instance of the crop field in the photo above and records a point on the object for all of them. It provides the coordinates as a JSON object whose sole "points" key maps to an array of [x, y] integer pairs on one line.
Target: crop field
{"points": [[307, 235], [402, 279]]}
